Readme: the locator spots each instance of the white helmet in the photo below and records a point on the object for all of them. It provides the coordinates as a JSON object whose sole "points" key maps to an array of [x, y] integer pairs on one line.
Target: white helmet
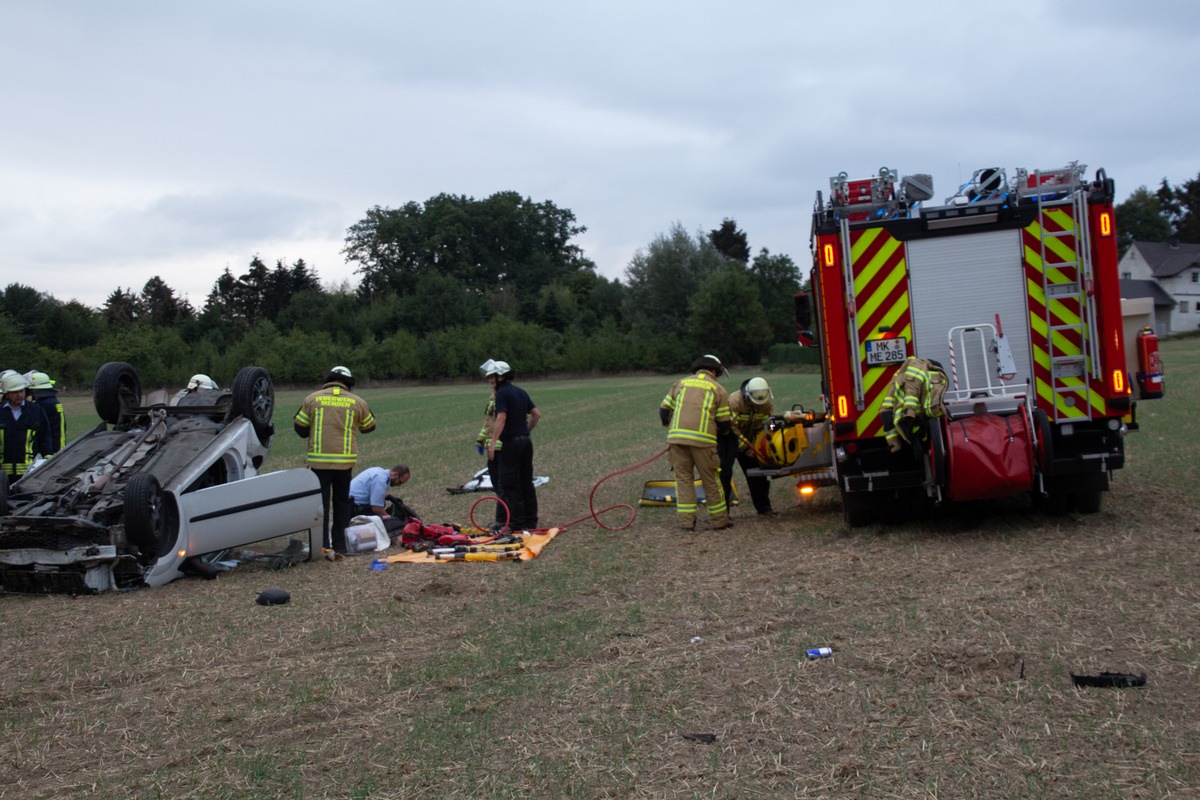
{"points": [[758, 391], [343, 371], [490, 368], [14, 382], [201, 381], [40, 380]]}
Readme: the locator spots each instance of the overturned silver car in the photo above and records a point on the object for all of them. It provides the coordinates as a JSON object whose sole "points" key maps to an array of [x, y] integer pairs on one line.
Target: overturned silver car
{"points": [[154, 491]]}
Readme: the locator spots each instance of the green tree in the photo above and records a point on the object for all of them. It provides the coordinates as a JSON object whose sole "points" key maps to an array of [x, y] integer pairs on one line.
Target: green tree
{"points": [[730, 241], [25, 307], [725, 317], [69, 326], [663, 278], [778, 279], [121, 310], [1140, 218], [438, 302], [503, 243], [158, 304]]}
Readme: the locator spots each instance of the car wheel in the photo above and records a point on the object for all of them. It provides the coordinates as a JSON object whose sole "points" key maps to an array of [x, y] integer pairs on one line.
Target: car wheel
{"points": [[116, 389], [150, 517], [254, 399]]}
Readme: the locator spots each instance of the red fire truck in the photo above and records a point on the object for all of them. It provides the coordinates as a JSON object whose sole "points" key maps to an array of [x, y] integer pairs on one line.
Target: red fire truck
{"points": [[1011, 285]]}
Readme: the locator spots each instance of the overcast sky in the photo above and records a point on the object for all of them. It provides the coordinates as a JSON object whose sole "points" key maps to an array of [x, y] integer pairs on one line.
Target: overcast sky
{"points": [[180, 138]]}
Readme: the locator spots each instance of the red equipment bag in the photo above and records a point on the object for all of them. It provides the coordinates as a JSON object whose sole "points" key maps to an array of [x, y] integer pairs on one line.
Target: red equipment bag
{"points": [[417, 533], [988, 456]]}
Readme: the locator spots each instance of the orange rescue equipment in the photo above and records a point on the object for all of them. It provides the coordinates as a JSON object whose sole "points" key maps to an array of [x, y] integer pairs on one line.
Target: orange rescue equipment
{"points": [[1150, 373]]}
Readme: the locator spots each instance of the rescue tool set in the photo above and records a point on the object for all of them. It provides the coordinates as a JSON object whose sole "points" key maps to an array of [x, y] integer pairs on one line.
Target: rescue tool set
{"points": [[1010, 289]]}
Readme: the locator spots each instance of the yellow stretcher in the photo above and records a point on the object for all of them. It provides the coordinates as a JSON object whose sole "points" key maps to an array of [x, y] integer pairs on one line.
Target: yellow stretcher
{"points": [[662, 493]]}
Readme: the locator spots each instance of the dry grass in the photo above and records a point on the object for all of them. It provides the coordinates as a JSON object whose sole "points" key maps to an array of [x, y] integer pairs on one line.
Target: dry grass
{"points": [[599, 669]]}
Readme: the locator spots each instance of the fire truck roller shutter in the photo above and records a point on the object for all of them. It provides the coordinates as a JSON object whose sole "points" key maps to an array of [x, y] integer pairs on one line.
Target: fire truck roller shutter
{"points": [[967, 280]]}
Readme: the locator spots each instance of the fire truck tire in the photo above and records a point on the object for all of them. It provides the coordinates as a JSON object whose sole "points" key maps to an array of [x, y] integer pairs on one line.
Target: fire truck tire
{"points": [[1045, 440], [858, 509], [1089, 502], [936, 465]]}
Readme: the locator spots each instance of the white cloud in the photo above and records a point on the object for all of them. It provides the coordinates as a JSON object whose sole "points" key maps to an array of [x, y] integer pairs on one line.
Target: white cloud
{"points": [[180, 139]]}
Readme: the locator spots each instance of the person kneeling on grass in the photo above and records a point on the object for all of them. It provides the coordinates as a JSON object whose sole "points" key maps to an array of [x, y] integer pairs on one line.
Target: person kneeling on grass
{"points": [[369, 492]]}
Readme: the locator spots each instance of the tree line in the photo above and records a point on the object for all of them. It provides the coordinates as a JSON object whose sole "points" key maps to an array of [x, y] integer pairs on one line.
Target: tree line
{"points": [[1170, 213], [443, 285]]}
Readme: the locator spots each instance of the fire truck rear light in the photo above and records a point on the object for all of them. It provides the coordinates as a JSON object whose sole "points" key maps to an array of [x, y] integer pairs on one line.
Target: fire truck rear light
{"points": [[805, 490], [1118, 382], [827, 254], [1106, 224], [843, 406]]}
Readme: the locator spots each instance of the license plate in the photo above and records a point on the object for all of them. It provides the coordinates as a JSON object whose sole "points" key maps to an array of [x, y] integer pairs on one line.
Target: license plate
{"points": [[886, 351]]}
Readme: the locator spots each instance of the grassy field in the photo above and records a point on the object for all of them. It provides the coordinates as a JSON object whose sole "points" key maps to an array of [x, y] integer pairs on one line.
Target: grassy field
{"points": [[639, 662]]}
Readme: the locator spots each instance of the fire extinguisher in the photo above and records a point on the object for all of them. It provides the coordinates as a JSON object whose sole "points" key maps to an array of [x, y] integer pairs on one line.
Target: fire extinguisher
{"points": [[1150, 373]]}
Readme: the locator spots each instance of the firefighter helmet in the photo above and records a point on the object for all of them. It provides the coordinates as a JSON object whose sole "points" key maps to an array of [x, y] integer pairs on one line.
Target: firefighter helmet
{"points": [[40, 380], [710, 363], [340, 374], [201, 381], [500, 368], [14, 382], [758, 391]]}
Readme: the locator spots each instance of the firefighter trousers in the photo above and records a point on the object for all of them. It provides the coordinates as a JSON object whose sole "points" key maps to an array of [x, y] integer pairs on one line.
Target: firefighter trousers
{"points": [[686, 461], [760, 487]]}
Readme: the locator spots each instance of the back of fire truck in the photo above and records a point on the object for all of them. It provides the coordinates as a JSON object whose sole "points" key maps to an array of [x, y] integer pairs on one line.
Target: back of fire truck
{"points": [[1011, 285]]}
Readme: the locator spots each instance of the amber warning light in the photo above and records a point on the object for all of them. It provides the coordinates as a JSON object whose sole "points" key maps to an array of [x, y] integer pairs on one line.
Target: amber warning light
{"points": [[1106, 225], [827, 254]]}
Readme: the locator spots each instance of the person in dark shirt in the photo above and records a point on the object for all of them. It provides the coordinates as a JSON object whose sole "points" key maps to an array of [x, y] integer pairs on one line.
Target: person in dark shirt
{"points": [[41, 389], [24, 431], [516, 417]]}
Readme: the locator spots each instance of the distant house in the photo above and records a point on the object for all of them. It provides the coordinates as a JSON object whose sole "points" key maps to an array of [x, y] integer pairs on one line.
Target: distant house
{"points": [[1164, 304], [1175, 267]]}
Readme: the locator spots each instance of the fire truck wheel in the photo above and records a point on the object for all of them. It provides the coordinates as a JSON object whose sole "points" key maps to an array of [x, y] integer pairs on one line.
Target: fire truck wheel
{"points": [[858, 510], [1089, 502]]}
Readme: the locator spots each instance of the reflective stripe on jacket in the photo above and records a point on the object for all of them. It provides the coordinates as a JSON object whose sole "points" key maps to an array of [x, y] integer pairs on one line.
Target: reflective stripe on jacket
{"points": [[489, 425], [696, 404], [334, 416], [916, 391], [748, 418]]}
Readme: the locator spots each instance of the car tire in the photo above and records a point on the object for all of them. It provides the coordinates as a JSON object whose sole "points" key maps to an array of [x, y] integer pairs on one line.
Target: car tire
{"points": [[150, 518], [116, 389], [254, 399]]}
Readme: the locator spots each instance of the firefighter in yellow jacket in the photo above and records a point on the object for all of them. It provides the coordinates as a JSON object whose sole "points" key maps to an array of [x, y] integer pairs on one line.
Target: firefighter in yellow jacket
{"points": [[914, 398], [695, 411], [331, 418], [749, 409]]}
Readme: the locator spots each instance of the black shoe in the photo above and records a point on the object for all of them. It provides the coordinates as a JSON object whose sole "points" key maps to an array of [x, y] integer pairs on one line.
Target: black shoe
{"points": [[768, 513]]}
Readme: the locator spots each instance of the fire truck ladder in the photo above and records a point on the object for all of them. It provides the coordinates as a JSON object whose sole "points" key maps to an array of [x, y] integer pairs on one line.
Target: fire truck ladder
{"points": [[1067, 370]]}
